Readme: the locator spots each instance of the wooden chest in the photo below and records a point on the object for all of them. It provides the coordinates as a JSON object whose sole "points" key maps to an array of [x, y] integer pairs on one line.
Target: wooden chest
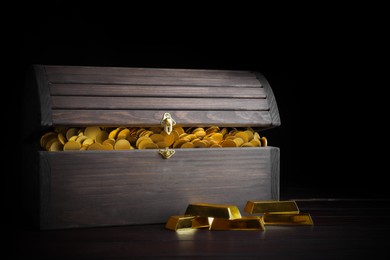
{"points": [[69, 189]]}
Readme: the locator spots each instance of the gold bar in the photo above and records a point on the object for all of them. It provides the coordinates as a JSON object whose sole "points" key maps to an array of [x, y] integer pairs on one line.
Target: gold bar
{"points": [[272, 207], [288, 219], [244, 223], [186, 222], [213, 210]]}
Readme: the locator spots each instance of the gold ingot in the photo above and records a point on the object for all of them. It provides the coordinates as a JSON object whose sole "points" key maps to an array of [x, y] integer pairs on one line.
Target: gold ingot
{"points": [[186, 222], [213, 210], [244, 223], [271, 207], [122, 144], [71, 146], [288, 219], [228, 143], [92, 131]]}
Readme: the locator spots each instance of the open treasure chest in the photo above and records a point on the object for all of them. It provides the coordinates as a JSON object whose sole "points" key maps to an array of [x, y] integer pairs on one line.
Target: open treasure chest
{"points": [[109, 146]]}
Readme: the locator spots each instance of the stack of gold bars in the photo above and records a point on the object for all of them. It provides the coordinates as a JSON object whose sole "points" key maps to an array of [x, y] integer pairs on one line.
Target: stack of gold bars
{"points": [[124, 138], [228, 217]]}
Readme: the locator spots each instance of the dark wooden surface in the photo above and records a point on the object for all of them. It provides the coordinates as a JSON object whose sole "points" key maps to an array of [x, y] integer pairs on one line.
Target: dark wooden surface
{"points": [[100, 188], [343, 229]]}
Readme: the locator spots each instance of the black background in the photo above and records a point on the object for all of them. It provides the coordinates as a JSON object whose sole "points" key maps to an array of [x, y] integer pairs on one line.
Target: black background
{"points": [[324, 68]]}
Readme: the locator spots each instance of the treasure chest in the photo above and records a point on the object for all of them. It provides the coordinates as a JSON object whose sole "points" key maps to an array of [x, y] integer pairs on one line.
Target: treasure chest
{"points": [[158, 139]]}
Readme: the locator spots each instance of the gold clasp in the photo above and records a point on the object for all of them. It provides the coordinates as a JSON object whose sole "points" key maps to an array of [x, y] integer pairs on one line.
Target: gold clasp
{"points": [[168, 122], [167, 153]]}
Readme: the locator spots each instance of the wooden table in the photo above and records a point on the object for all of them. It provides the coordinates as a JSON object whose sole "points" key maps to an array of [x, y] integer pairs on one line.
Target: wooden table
{"points": [[343, 229]]}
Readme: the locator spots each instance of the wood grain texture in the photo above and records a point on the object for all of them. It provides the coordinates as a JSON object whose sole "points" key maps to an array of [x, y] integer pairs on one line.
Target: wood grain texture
{"points": [[158, 103], [146, 118], [98, 188], [148, 72], [155, 91], [273, 107], [44, 94]]}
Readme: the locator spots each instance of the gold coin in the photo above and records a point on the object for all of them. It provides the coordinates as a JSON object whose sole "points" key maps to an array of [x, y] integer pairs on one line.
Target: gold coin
{"points": [[238, 141], [179, 129], [247, 145], [45, 137], [263, 141], [168, 139], [73, 131], [81, 139], [212, 129], [191, 137], [109, 141], [218, 137], [200, 133], [157, 138], [216, 146], [122, 144], [101, 136], [149, 146], [107, 146], [114, 133], [256, 136], [162, 145], [95, 146], [56, 146], [228, 143], [179, 143], [72, 145], [200, 144], [73, 138], [144, 142], [49, 142], [255, 142], [88, 141], [187, 145], [61, 138], [92, 131], [244, 136], [124, 133], [83, 148], [250, 134], [132, 139], [141, 139]]}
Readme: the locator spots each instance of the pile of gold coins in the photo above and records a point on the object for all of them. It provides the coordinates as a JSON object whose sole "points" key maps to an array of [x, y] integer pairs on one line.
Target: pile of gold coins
{"points": [[128, 138]]}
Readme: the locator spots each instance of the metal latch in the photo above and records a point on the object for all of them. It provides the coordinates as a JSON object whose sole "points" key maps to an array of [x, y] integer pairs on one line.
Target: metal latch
{"points": [[168, 123], [167, 153]]}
